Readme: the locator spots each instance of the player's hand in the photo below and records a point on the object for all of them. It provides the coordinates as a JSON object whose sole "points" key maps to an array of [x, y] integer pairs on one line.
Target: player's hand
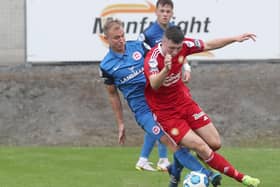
{"points": [[246, 36], [122, 136], [167, 61], [186, 76]]}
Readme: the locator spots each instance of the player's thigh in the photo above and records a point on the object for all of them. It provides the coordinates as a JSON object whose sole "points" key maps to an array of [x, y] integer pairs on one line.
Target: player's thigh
{"points": [[150, 126], [194, 142], [169, 142], [191, 140], [210, 135]]}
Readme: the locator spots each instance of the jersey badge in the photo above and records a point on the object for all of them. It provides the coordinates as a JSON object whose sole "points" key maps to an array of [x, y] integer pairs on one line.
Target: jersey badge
{"points": [[136, 55], [190, 44], [153, 65], [156, 130], [174, 132]]}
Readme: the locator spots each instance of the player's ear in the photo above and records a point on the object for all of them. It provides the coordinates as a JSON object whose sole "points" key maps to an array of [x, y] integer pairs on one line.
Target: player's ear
{"points": [[157, 11]]}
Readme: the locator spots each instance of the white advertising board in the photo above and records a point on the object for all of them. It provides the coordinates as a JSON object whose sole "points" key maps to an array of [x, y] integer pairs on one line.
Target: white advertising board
{"points": [[71, 30]]}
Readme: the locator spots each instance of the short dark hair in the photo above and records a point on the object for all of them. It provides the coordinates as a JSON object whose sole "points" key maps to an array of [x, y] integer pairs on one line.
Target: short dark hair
{"points": [[165, 2], [175, 34]]}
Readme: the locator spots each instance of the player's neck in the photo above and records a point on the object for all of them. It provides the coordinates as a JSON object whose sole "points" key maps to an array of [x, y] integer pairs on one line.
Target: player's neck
{"points": [[163, 26]]}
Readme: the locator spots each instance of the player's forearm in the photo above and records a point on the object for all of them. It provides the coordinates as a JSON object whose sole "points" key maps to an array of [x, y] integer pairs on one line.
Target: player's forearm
{"points": [[117, 109], [116, 104], [218, 43], [156, 80]]}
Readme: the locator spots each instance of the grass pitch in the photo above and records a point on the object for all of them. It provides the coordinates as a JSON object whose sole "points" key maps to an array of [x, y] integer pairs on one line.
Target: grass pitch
{"points": [[114, 167]]}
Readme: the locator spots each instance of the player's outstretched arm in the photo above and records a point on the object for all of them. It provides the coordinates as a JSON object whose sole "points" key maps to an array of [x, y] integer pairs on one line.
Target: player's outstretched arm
{"points": [[222, 42], [246, 36], [116, 104]]}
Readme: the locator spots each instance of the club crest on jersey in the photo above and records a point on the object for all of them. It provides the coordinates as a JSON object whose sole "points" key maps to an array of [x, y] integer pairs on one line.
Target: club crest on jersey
{"points": [[153, 66], [153, 63], [181, 59], [136, 55], [174, 132], [190, 44], [156, 130]]}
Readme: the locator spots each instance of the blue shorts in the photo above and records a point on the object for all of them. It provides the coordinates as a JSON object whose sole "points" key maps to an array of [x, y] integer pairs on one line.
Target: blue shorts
{"points": [[147, 122]]}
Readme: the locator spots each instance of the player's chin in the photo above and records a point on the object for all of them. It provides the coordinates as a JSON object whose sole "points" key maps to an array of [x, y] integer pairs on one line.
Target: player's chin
{"points": [[121, 48], [164, 20]]}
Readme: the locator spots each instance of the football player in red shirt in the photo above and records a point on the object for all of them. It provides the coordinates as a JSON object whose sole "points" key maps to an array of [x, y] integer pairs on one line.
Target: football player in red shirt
{"points": [[170, 99]]}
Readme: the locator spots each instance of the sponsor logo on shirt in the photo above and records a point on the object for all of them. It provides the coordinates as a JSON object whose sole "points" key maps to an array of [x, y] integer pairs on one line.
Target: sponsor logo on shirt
{"points": [[171, 79], [134, 73]]}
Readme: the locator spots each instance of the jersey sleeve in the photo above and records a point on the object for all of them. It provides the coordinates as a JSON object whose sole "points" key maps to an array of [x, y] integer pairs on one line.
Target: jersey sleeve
{"points": [[194, 45], [142, 38], [150, 65], [108, 80]]}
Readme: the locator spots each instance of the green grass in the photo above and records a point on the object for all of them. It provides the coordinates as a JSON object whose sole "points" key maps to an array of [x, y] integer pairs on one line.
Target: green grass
{"points": [[114, 167]]}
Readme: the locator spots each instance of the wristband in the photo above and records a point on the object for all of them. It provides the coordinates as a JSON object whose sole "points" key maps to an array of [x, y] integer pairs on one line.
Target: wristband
{"points": [[187, 67]]}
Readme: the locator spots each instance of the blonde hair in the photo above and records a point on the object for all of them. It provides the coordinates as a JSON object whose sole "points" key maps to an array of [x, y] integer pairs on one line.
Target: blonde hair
{"points": [[110, 22]]}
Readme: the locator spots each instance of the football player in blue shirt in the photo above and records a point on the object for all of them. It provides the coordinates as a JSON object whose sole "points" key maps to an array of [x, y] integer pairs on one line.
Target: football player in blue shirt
{"points": [[152, 36], [122, 69]]}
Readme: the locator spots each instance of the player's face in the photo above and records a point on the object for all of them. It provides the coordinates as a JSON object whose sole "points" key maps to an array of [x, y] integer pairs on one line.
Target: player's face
{"points": [[116, 39], [170, 47], [164, 14]]}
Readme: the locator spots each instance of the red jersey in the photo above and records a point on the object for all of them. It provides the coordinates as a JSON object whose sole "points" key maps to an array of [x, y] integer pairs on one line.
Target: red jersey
{"points": [[167, 101]]}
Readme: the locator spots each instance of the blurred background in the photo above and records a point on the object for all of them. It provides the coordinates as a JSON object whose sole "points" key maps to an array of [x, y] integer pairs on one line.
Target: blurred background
{"points": [[51, 93]]}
